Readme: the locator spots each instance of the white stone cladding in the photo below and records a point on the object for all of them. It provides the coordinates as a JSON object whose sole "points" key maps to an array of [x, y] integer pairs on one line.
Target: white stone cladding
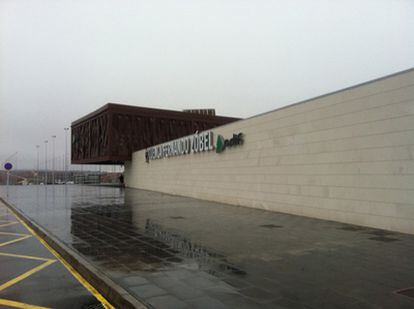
{"points": [[347, 156]]}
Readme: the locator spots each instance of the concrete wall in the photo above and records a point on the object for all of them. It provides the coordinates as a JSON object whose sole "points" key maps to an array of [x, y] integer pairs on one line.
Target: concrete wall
{"points": [[346, 156]]}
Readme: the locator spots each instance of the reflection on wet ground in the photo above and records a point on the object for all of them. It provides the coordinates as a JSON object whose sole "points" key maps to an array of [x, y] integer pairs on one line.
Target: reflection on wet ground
{"points": [[177, 252]]}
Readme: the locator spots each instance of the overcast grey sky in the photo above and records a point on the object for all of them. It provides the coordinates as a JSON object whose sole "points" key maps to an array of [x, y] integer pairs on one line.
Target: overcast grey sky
{"points": [[62, 59]]}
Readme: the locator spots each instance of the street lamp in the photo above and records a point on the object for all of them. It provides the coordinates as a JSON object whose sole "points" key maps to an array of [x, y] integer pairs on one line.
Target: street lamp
{"points": [[37, 168], [46, 162], [66, 154], [53, 159]]}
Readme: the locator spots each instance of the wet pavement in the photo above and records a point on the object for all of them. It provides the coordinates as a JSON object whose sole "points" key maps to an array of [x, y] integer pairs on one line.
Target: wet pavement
{"points": [[30, 275], [178, 252]]}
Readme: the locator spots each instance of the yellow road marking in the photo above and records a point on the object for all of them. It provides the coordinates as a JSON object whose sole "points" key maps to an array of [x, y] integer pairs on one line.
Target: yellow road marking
{"points": [[47, 262], [7, 224], [22, 237], [13, 234], [78, 276], [25, 275], [16, 304], [15, 240], [29, 257]]}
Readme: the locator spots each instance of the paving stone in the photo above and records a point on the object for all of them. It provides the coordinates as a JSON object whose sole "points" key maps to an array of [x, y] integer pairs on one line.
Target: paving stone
{"points": [[134, 281], [206, 303], [154, 274], [165, 281], [244, 303], [167, 302], [239, 284], [147, 291], [184, 292], [290, 304], [200, 282], [222, 288], [179, 273], [258, 295]]}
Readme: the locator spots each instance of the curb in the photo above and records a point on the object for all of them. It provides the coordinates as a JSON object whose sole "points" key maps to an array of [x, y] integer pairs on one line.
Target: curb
{"points": [[114, 293]]}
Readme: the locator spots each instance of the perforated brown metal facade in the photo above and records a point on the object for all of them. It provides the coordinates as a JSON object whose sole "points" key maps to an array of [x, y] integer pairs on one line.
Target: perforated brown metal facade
{"points": [[112, 133]]}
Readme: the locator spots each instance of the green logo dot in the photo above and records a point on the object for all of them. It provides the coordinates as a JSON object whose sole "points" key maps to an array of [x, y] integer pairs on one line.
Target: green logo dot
{"points": [[220, 144]]}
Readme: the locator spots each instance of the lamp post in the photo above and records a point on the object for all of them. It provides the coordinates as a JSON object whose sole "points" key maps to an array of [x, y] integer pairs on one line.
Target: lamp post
{"points": [[53, 159], [46, 162], [37, 167], [66, 154]]}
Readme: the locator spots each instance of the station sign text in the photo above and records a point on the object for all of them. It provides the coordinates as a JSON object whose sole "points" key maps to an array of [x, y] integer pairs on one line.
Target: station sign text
{"points": [[196, 143]]}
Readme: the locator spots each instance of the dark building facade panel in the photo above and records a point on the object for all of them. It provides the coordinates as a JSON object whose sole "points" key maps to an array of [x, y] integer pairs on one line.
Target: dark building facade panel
{"points": [[112, 133]]}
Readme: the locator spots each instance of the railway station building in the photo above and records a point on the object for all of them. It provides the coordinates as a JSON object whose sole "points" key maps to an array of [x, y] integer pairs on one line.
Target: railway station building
{"points": [[346, 156]]}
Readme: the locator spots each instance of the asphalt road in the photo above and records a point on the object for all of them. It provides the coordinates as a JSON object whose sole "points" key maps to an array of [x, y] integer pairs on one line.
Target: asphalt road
{"points": [[32, 276]]}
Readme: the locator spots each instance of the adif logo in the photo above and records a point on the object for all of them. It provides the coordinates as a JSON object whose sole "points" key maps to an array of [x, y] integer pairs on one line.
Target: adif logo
{"points": [[222, 144]]}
